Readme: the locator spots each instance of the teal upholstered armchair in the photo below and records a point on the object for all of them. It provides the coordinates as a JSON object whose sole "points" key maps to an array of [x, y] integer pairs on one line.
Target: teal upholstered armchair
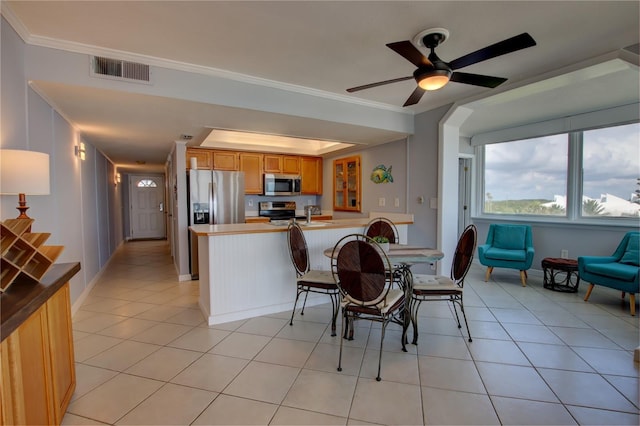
{"points": [[507, 246], [619, 271]]}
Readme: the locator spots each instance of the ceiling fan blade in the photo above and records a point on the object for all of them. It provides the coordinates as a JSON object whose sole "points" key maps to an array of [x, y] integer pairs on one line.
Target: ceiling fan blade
{"points": [[415, 96], [407, 50], [503, 47], [477, 79], [380, 83]]}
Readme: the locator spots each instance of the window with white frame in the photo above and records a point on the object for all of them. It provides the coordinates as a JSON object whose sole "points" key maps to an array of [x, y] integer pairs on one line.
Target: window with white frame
{"points": [[526, 177], [610, 171], [589, 174]]}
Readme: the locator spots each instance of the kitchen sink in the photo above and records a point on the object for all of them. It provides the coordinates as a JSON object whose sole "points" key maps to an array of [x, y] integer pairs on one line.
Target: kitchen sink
{"points": [[313, 224]]}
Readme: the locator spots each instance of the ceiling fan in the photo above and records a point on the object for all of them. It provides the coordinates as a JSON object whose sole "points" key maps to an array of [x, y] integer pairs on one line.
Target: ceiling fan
{"points": [[433, 73]]}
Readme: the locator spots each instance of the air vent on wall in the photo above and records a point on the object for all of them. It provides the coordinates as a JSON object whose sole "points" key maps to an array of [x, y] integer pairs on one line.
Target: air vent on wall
{"points": [[121, 70]]}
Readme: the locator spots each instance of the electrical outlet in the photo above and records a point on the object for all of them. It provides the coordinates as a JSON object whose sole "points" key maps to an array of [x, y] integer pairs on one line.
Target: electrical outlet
{"points": [[432, 266], [397, 202], [381, 202], [309, 202], [564, 253], [250, 203]]}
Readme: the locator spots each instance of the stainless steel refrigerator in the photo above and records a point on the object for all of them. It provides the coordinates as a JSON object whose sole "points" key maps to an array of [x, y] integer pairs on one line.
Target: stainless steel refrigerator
{"points": [[215, 197]]}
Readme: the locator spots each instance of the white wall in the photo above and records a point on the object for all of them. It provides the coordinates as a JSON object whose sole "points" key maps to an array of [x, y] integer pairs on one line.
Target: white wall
{"points": [[423, 180], [83, 200]]}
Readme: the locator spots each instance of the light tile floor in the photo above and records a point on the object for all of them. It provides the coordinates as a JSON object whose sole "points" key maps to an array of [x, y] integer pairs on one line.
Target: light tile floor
{"points": [[144, 355]]}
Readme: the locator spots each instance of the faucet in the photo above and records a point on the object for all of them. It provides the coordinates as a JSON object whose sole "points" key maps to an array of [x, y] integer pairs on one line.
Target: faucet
{"points": [[308, 215]]}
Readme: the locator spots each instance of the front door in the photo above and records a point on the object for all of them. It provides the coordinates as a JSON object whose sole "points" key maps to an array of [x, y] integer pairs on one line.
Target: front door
{"points": [[146, 198]]}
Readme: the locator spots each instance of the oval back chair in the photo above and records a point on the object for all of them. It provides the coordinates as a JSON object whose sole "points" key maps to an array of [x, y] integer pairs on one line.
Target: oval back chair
{"points": [[362, 271], [441, 288], [383, 227], [310, 280]]}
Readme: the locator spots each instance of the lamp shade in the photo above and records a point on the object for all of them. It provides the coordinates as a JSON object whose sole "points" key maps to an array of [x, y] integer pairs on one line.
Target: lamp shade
{"points": [[24, 172]]}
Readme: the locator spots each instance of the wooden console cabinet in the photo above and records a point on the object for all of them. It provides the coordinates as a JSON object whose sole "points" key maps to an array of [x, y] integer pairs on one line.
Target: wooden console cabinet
{"points": [[38, 369]]}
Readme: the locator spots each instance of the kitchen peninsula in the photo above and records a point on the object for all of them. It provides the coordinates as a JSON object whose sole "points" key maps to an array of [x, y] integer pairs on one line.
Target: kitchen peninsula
{"points": [[246, 270]]}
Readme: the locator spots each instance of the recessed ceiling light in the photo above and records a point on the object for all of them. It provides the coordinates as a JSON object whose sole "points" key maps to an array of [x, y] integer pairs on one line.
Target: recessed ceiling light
{"points": [[233, 139]]}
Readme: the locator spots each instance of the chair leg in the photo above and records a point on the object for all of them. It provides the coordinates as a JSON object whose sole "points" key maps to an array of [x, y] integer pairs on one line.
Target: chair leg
{"points": [[335, 306], [464, 315], [623, 294], [384, 326], [344, 320], [294, 308], [586, 297], [455, 311], [632, 304], [523, 278], [415, 306], [488, 274], [306, 294]]}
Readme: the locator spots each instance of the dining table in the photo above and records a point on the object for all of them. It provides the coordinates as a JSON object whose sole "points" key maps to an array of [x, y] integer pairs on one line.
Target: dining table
{"points": [[402, 257]]}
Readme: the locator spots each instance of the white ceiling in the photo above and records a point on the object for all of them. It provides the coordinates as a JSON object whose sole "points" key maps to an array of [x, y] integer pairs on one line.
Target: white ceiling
{"points": [[324, 46]]}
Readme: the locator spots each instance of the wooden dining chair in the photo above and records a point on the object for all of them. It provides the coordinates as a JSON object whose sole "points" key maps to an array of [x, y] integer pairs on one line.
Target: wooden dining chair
{"points": [[382, 227], [441, 288], [310, 280], [361, 270]]}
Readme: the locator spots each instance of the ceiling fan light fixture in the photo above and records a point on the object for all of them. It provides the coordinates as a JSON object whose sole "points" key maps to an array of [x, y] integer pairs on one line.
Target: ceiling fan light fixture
{"points": [[433, 82], [433, 79]]}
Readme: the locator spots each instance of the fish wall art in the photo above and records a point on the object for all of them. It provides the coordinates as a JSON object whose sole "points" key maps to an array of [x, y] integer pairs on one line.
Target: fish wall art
{"points": [[381, 174]]}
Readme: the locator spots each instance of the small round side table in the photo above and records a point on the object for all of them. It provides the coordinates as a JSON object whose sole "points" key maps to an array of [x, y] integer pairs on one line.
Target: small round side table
{"points": [[561, 274]]}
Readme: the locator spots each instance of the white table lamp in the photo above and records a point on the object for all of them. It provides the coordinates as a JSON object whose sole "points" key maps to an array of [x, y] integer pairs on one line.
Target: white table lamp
{"points": [[23, 173]]}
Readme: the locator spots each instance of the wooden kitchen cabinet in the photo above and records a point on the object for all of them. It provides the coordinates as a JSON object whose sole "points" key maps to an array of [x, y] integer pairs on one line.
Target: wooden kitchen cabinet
{"points": [[225, 160], [291, 164], [279, 163], [36, 353], [203, 157], [251, 165], [272, 163], [346, 184], [311, 175], [208, 159]]}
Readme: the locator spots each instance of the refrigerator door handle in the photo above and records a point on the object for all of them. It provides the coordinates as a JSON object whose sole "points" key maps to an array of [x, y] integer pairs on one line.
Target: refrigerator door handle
{"points": [[213, 204]]}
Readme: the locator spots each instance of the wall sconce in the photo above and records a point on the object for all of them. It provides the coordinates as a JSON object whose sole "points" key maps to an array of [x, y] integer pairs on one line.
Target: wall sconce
{"points": [[80, 151], [24, 173], [117, 179]]}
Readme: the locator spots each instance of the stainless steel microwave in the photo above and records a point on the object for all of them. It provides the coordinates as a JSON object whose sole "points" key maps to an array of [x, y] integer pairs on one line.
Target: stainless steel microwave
{"points": [[275, 184]]}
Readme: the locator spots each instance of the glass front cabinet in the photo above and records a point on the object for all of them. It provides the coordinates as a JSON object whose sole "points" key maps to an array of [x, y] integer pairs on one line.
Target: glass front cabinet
{"points": [[346, 184]]}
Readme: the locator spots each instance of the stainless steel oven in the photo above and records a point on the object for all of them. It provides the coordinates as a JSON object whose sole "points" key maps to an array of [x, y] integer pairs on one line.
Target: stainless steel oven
{"points": [[278, 210], [275, 184]]}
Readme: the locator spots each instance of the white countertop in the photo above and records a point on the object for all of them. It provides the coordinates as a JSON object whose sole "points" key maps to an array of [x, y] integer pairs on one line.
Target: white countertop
{"points": [[256, 228]]}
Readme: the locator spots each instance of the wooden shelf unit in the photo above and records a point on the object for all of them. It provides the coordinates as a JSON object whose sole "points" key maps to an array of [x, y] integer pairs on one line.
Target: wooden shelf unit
{"points": [[23, 252]]}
